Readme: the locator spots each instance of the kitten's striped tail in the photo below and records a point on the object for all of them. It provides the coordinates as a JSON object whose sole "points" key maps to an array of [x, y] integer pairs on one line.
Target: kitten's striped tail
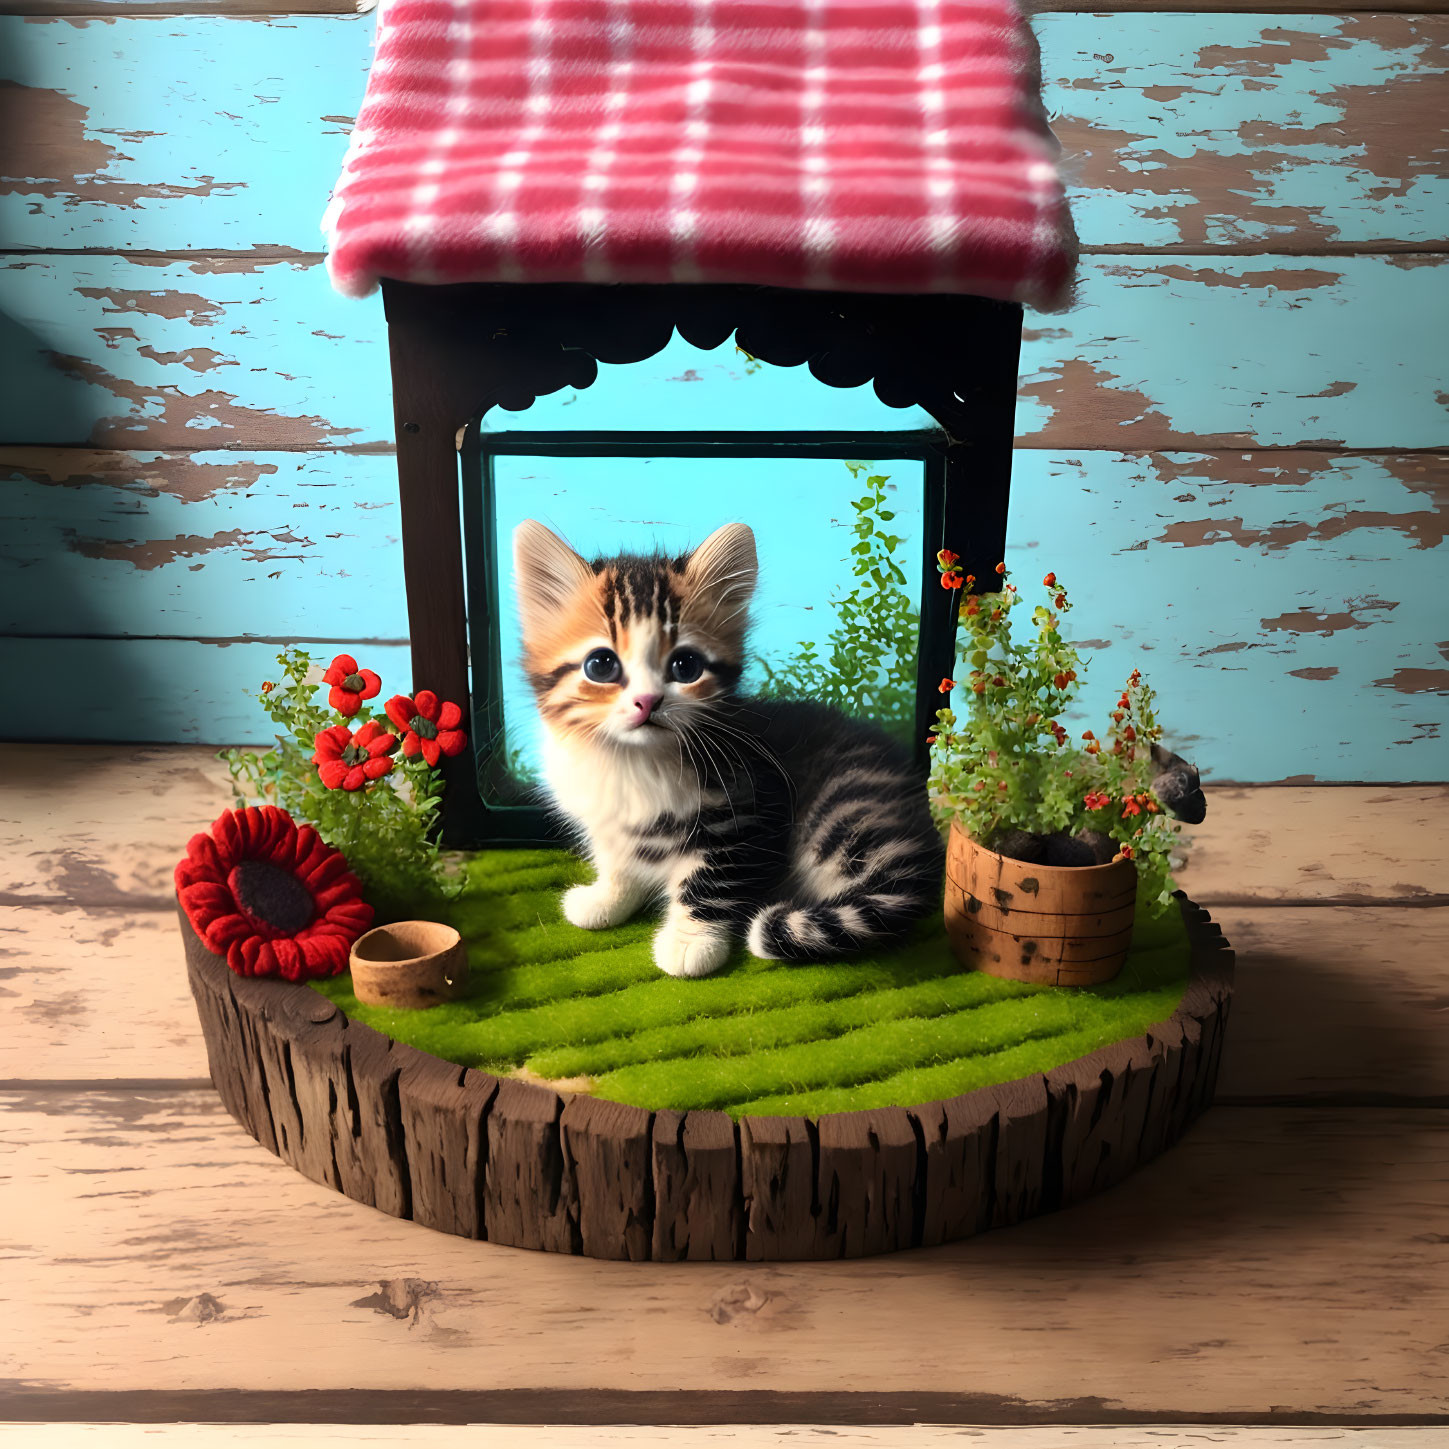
{"points": [[866, 860], [876, 909], [819, 931]]}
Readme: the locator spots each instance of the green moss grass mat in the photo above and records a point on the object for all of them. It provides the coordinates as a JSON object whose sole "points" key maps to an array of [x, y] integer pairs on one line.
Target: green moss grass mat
{"points": [[589, 1010]]}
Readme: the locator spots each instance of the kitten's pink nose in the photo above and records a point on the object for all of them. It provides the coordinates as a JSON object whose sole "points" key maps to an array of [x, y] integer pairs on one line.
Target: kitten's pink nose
{"points": [[644, 706]]}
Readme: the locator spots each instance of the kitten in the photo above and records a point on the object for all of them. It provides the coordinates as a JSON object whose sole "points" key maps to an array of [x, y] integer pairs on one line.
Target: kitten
{"points": [[787, 824]]}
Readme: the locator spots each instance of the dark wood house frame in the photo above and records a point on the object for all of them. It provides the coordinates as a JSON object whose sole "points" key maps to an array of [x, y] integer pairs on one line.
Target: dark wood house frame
{"points": [[459, 351]]}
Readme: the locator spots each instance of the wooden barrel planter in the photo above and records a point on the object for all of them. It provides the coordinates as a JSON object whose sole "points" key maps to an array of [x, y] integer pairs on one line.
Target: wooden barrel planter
{"points": [[1054, 925], [514, 1162]]}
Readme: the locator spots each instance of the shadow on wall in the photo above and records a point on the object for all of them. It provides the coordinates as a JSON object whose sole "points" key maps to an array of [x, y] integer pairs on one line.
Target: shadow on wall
{"points": [[57, 636]]}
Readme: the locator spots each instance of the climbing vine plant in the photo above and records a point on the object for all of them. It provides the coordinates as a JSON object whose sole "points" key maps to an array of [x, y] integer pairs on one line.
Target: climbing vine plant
{"points": [[866, 665]]}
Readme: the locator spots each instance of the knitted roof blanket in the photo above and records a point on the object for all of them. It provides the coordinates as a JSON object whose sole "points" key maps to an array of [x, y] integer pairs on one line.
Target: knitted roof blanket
{"points": [[851, 145]]}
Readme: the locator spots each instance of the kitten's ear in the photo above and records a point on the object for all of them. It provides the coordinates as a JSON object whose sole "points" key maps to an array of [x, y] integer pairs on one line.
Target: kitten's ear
{"points": [[546, 571], [720, 574]]}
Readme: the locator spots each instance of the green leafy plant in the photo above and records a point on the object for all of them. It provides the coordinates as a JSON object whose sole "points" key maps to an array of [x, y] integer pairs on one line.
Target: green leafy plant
{"points": [[752, 363], [381, 810], [1005, 765], [867, 665]]}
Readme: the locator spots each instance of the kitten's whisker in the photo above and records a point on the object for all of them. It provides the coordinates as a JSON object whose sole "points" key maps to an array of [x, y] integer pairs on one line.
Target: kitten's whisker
{"points": [[723, 782], [760, 747]]}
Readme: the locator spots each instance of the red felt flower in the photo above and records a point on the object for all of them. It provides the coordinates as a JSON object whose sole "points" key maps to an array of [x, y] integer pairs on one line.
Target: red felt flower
{"points": [[271, 897], [347, 761], [430, 725], [350, 685]]}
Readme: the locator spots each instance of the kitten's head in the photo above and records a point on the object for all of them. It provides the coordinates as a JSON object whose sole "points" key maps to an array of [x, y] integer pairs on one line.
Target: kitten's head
{"points": [[630, 650]]}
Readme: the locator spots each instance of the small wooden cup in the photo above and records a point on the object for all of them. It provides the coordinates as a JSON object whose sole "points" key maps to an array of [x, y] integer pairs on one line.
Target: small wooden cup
{"points": [[1055, 925], [409, 965]]}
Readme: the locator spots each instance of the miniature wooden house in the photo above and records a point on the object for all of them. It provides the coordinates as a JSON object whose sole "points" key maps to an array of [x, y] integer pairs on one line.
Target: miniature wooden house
{"points": [[865, 190]]}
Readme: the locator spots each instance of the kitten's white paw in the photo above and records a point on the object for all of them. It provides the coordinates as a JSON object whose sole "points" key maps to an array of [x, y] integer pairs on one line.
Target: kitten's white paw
{"points": [[684, 949], [592, 907]]}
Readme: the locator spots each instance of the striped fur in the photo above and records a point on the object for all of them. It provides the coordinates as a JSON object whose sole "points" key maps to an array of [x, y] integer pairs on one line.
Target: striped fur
{"points": [[784, 823]]}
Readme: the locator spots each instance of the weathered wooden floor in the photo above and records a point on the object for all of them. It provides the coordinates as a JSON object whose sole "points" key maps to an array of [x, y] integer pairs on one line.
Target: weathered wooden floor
{"points": [[1287, 1266]]}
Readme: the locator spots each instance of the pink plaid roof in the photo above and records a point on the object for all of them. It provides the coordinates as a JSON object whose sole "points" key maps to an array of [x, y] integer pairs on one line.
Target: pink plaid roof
{"points": [[857, 145]]}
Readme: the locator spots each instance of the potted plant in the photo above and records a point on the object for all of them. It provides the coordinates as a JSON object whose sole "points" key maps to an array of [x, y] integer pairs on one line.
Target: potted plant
{"points": [[368, 782], [1050, 842]]}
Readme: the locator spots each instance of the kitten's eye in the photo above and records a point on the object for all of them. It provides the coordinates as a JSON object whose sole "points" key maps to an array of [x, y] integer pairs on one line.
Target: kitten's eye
{"points": [[686, 667], [602, 666]]}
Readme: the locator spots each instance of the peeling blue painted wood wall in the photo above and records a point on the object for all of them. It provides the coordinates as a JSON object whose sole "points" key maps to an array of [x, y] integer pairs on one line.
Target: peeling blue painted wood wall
{"points": [[1230, 443]]}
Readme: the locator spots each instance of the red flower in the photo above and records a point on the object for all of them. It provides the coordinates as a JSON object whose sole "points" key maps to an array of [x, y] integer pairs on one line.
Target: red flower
{"points": [[429, 724], [1130, 807], [1124, 854], [950, 581], [1001, 568], [972, 608], [347, 761], [947, 559], [946, 686], [1097, 800], [274, 899], [1061, 601], [1060, 680], [350, 685], [1050, 581]]}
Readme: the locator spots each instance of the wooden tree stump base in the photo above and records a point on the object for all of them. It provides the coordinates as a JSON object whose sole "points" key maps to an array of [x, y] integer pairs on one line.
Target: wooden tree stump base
{"points": [[517, 1163]]}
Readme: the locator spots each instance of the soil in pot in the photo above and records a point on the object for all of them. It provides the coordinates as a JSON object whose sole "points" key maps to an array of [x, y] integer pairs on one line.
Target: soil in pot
{"points": [[1029, 921]]}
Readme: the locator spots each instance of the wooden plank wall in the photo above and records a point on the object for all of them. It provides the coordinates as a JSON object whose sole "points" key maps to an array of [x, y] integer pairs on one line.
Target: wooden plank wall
{"points": [[1234, 443]]}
